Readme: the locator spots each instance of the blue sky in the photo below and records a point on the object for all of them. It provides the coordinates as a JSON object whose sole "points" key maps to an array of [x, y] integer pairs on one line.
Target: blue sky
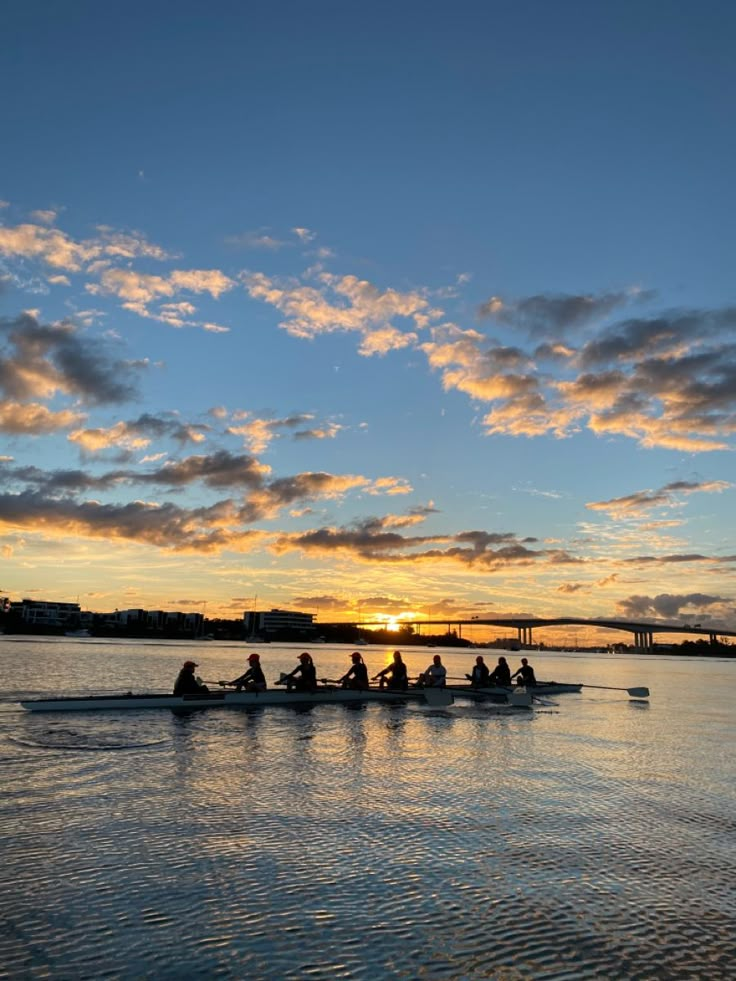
{"points": [[422, 307]]}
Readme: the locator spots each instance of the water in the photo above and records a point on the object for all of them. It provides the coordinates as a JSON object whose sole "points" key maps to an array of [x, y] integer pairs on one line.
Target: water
{"points": [[591, 838]]}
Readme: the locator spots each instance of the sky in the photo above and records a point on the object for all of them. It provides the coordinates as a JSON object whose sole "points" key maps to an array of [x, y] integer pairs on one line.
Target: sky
{"points": [[375, 311]]}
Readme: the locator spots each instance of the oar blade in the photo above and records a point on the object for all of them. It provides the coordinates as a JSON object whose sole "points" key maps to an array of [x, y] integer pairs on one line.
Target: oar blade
{"points": [[638, 692]]}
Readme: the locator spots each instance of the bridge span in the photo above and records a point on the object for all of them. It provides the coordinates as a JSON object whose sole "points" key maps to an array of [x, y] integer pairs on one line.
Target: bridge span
{"points": [[643, 632]]}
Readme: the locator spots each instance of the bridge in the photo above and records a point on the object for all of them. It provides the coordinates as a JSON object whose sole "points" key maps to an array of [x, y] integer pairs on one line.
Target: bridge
{"points": [[643, 633]]}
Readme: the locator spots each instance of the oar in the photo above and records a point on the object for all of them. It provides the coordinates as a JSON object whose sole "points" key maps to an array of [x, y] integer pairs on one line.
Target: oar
{"points": [[541, 701], [634, 692]]}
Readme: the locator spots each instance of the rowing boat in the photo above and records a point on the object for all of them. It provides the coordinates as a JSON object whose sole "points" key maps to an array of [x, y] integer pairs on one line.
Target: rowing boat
{"points": [[501, 694], [237, 699]]}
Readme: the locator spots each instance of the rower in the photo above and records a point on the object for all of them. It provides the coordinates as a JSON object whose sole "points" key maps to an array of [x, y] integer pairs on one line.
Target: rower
{"points": [[304, 675], [478, 677], [526, 674], [357, 676], [253, 679], [186, 683], [396, 672], [501, 674], [435, 675]]}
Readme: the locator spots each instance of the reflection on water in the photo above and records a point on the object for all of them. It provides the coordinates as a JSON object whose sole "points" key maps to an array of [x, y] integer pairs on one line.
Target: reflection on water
{"points": [[591, 839]]}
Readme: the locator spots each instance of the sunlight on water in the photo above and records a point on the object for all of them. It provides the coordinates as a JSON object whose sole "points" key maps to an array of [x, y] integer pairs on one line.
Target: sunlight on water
{"points": [[590, 838]]}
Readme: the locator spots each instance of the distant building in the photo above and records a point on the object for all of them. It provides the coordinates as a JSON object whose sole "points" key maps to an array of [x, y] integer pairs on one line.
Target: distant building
{"points": [[277, 622], [41, 613]]}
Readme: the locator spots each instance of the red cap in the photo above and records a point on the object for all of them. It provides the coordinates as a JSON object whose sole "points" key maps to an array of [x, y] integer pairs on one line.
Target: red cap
{"points": [[356, 654], [254, 657], [303, 655], [190, 664]]}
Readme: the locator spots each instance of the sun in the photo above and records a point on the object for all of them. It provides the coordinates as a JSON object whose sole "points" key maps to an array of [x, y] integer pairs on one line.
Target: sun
{"points": [[392, 624]]}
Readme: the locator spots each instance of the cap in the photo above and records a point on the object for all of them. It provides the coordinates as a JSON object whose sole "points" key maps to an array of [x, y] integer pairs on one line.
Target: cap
{"points": [[303, 655], [356, 654], [190, 664], [254, 657]]}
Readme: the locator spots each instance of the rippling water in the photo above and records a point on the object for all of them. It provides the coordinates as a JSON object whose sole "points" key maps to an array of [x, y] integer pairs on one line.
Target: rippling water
{"points": [[591, 838]]}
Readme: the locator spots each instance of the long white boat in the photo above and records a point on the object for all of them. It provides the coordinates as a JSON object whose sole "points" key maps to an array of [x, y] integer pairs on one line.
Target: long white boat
{"points": [[438, 697]]}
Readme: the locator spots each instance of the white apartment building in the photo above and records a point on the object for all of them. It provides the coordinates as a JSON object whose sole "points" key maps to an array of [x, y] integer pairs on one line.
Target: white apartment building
{"points": [[274, 621], [43, 613]]}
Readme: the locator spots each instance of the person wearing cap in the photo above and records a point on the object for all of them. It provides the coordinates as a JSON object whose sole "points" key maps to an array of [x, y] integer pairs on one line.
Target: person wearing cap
{"points": [[357, 675], [304, 675], [186, 683], [526, 674], [435, 675], [478, 677], [501, 674], [395, 675], [253, 679]]}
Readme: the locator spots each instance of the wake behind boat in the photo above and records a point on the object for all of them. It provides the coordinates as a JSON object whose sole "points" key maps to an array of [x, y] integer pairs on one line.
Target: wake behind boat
{"points": [[325, 695]]}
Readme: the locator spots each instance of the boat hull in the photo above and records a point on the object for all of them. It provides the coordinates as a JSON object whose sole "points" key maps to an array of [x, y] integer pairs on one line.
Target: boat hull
{"points": [[504, 694], [226, 699]]}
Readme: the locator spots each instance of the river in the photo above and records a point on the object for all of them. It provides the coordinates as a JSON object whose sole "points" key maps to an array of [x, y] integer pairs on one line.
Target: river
{"points": [[593, 837]]}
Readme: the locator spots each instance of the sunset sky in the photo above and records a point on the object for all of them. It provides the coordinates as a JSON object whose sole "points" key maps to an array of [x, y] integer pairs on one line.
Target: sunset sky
{"points": [[384, 309]]}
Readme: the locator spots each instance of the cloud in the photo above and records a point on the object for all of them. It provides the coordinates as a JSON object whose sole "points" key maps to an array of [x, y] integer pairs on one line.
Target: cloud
{"points": [[669, 382], [50, 496], [50, 245], [58, 250], [39, 361], [33, 419], [139, 290], [667, 605], [680, 558], [138, 433], [286, 491], [257, 433], [375, 540], [45, 217], [98, 259], [634, 505], [343, 303], [218, 470], [256, 240], [664, 337], [552, 315], [166, 526], [144, 288], [328, 430]]}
